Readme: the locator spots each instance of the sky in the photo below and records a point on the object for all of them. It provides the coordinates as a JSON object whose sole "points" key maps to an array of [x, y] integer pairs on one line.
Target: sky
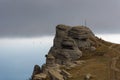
{"points": [[18, 56], [36, 18]]}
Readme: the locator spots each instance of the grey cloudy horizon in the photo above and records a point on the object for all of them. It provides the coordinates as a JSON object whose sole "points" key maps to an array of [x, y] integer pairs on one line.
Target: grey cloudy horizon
{"points": [[34, 18]]}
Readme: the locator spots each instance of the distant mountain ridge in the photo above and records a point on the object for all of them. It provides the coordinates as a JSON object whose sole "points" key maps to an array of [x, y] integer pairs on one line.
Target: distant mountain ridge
{"points": [[77, 54]]}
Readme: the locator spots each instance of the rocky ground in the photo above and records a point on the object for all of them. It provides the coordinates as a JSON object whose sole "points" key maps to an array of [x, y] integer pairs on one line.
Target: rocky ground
{"points": [[77, 54]]}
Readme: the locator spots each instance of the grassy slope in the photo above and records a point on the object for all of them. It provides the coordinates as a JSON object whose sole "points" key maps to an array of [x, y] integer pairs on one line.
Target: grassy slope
{"points": [[99, 66]]}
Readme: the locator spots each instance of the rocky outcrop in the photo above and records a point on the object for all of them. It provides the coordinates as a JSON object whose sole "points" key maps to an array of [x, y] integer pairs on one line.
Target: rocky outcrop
{"points": [[81, 36], [69, 41], [66, 50], [36, 70]]}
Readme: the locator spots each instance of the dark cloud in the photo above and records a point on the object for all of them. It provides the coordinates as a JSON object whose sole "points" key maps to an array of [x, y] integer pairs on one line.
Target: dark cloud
{"points": [[31, 18]]}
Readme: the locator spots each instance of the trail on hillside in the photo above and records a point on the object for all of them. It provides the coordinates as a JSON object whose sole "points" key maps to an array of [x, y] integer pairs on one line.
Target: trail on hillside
{"points": [[113, 68]]}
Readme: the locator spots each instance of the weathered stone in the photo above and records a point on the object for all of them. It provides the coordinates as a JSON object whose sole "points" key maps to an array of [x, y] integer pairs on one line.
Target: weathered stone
{"points": [[40, 76], [65, 74], [61, 32], [36, 70], [81, 36], [92, 48], [55, 75], [80, 62], [69, 41], [88, 77], [66, 51], [50, 60]]}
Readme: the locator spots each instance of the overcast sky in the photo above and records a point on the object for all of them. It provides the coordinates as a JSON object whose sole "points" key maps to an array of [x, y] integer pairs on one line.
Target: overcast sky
{"points": [[34, 18]]}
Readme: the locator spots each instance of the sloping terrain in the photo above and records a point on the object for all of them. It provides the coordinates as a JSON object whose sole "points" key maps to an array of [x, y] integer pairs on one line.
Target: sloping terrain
{"points": [[77, 54], [105, 67]]}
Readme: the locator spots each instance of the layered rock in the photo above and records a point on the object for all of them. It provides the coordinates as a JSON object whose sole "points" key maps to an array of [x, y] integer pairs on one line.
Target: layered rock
{"points": [[82, 36], [67, 48]]}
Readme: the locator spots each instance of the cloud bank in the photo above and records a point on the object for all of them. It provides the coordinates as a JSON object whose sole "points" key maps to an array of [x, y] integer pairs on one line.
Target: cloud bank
{"points": [[34, 18]]}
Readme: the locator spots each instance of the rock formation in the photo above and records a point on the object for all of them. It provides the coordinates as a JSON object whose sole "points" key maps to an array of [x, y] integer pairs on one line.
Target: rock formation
{"points": [[69, 42]]}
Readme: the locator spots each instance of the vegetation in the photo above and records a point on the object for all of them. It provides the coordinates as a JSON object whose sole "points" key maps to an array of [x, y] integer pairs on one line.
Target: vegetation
{"points": [[98, 63]]}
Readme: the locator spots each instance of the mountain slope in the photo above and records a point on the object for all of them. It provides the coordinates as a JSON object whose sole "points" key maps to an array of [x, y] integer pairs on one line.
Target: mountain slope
{"points": [[77, 54]]}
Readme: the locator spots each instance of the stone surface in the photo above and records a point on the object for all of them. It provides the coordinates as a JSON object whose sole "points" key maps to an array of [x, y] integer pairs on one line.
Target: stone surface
{"points": [[36, 70], [50, 60], [69, 43], [92, 48], [65, 74], [66, 50], [88, 77], [80, 62], [55, 75], [40, 76], [82, 36]]}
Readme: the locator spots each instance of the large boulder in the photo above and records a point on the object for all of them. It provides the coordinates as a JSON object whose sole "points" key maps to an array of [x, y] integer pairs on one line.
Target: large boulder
{"points": [[82, 36], [50, 60], [68, 51], [61, 32], [36, 71], [55, 75], [69, 42], [40, 76]]}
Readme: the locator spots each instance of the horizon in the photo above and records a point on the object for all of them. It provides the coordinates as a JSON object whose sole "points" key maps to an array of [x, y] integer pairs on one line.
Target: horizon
{"points": [[107, 37]]}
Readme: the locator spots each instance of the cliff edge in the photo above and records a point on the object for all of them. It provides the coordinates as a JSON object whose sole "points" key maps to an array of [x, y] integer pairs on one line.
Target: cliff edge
{"points": [[77, 54]]}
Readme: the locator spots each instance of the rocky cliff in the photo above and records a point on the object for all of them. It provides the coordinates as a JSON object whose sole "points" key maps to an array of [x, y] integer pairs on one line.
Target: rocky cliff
{"points": [[77, 55]]}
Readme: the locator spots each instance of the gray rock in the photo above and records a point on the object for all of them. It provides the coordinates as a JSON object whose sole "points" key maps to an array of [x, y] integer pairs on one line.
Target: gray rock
{"points": [[36, 70], [69, 42], [65, 74], [61, 32], [40, 76], [93, 48], [50, 60], [80, 62], [55, 75], [88, 77], [81, 36]]}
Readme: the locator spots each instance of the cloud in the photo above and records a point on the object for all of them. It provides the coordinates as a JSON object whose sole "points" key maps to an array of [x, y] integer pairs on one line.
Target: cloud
{"points": [[33, 18], [114, 38]]}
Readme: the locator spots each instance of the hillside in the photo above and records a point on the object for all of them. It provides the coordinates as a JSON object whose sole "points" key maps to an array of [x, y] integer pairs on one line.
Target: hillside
{"points": [[77, 54]]}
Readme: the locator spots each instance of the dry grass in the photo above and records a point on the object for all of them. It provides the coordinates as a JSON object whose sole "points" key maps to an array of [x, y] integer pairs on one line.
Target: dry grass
{"points": [[98, 65]]}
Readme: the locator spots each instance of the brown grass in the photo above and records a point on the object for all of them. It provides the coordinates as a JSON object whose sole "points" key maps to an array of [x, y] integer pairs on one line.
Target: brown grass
{"points": [[97, 62], [98, 67]]}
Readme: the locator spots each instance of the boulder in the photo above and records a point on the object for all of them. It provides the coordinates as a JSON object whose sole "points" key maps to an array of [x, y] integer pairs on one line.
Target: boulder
{"points": [[40, 76], [93, 48], [81, 36], [50, 60], [69, 42], [79, 62], [88, 77], [55, 75], [36, 70], [68, 52], [61, 32], [65, 74]]}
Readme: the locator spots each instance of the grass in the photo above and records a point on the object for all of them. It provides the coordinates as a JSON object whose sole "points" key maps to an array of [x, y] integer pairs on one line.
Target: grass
{"points": [[97, 62], [97, 67]]}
